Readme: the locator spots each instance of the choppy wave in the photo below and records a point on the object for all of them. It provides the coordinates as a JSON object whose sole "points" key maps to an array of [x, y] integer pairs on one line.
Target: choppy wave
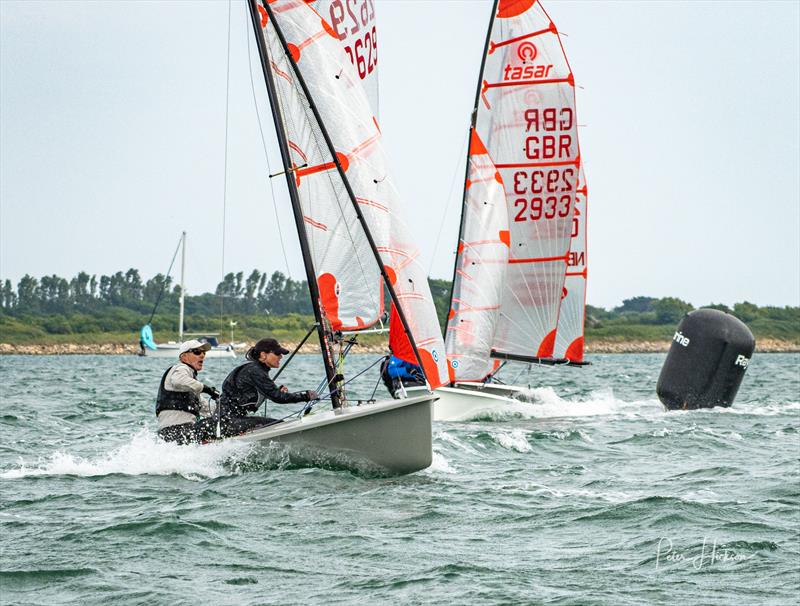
{"points": [[144, 454]]}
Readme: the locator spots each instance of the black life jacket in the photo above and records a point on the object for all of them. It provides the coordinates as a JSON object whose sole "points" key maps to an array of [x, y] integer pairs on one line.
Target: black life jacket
{"points": [[185, 401]]}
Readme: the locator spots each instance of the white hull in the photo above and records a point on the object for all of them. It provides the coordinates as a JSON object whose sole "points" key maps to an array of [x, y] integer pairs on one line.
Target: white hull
{"points": [[170, 350], [464, 403], [390, 437]]}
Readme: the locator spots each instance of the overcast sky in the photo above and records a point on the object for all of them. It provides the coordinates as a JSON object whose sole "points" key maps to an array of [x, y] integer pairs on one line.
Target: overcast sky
{"points": [[112, 140]]}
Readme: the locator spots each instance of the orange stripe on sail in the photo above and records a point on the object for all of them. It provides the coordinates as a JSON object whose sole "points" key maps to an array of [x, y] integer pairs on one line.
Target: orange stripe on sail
{"points": [[539, 259], [550, 30], [568, 80], [479, 242], [576, 162], [466, 309], [578, 274], [310, 170], [316, 224], [299, 151], [368, 143], [278, 71], [394, 251], [372, 203]]}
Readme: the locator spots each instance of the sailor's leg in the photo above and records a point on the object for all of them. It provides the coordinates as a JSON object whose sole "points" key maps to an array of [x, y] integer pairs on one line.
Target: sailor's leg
{"points": [[181, 434], [239, 425]]}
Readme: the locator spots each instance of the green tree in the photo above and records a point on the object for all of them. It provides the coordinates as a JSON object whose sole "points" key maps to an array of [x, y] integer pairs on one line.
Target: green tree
{"points": [[8, 298], [637, 304], [719, 307], [670, 310], [747, 312], [28, 294]]}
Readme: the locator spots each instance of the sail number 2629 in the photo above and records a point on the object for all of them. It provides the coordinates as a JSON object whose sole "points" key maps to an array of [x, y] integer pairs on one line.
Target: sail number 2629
{"points": [[352, 20]]}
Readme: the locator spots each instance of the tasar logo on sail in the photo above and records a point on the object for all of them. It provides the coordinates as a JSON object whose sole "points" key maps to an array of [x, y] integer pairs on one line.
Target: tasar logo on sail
{"points": [[526, 52]]}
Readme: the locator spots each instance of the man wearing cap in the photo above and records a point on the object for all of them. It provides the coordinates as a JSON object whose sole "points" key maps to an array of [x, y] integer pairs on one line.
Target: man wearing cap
{"points": [[248, 385], [182, 416]]}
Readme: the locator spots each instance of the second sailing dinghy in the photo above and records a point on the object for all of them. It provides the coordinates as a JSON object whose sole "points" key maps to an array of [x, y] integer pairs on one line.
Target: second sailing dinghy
{"points": [[519, 277], [353, 240]]}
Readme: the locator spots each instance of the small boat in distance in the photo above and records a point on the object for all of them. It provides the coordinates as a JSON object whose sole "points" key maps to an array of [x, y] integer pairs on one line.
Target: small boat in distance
{"points": [[150, 349]]}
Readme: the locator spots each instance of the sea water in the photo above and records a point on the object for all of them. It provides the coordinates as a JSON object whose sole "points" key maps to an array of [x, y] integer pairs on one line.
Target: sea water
{"points": [[590, 493]]}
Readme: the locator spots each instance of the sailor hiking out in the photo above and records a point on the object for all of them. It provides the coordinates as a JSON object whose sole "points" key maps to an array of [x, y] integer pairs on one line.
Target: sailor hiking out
{"points": [[183, 417]]}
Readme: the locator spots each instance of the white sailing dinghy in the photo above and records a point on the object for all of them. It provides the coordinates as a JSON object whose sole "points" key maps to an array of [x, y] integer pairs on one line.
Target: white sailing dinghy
{"points": [[519, 279], [353, 240], [151, 349]]}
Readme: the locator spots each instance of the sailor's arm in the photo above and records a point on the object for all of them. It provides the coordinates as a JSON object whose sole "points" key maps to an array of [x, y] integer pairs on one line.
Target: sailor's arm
{"points": [[181, 378], [267, 386]]}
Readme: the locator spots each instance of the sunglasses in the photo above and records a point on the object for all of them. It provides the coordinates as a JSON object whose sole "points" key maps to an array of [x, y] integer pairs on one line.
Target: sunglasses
{"points": [[198, 352]]}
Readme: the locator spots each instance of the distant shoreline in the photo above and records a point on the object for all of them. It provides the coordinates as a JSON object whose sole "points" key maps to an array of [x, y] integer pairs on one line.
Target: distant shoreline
{"points": [[592, 347]]}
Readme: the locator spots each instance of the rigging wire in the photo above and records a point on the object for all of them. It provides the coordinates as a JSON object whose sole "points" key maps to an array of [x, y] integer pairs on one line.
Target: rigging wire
{"points": [[449, 202], [164, 284], [225, 171]]}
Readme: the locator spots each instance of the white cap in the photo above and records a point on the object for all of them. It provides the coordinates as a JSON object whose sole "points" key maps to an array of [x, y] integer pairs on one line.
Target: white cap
{"points": [[193, 344]]}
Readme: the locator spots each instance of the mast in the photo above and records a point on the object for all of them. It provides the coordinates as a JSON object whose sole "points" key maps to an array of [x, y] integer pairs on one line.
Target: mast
{"points": [[330, 370], [345, 181], [183, 287], [473, 122]]}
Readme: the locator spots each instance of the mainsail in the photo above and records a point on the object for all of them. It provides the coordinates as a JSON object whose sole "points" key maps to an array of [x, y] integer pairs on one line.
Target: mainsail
{"points": [[316, 84], [569, 337], [525, 117]]}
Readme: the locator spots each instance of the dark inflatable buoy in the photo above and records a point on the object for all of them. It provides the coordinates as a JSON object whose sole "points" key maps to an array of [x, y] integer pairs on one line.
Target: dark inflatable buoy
{"points": [[706, 362]]}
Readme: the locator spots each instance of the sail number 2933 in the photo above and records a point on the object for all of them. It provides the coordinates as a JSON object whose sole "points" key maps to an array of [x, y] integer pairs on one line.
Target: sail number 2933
{"points": [[550, 207]]}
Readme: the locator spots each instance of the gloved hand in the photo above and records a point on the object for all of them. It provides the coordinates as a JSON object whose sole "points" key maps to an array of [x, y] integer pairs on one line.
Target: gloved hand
{"points": [[211, 391], [312, 395]]}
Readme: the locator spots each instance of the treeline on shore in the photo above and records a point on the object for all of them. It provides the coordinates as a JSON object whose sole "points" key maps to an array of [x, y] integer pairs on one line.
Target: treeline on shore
{"points": [[113, 308]]}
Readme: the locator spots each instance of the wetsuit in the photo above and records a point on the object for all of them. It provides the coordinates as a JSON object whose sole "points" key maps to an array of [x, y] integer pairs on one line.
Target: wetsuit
{"points": [[243, 391]]}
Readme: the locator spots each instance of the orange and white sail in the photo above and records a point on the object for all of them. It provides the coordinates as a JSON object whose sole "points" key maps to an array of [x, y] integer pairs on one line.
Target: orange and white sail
{"points": [[348, 275], [481, 261], [525, 117], [569, 337]]}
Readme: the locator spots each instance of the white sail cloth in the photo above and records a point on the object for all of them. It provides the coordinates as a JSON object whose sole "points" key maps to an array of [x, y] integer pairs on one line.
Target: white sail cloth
{"points": [[525, 115], [347, 274], [481, 262]]}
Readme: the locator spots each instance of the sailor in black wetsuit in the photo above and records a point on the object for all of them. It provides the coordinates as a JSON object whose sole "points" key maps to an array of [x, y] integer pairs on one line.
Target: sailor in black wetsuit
{"points": [[248, 385], [182, 416]]}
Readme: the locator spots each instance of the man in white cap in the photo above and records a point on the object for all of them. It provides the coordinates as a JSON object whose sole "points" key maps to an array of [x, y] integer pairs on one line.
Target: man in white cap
{"points": [[182, 416]]}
